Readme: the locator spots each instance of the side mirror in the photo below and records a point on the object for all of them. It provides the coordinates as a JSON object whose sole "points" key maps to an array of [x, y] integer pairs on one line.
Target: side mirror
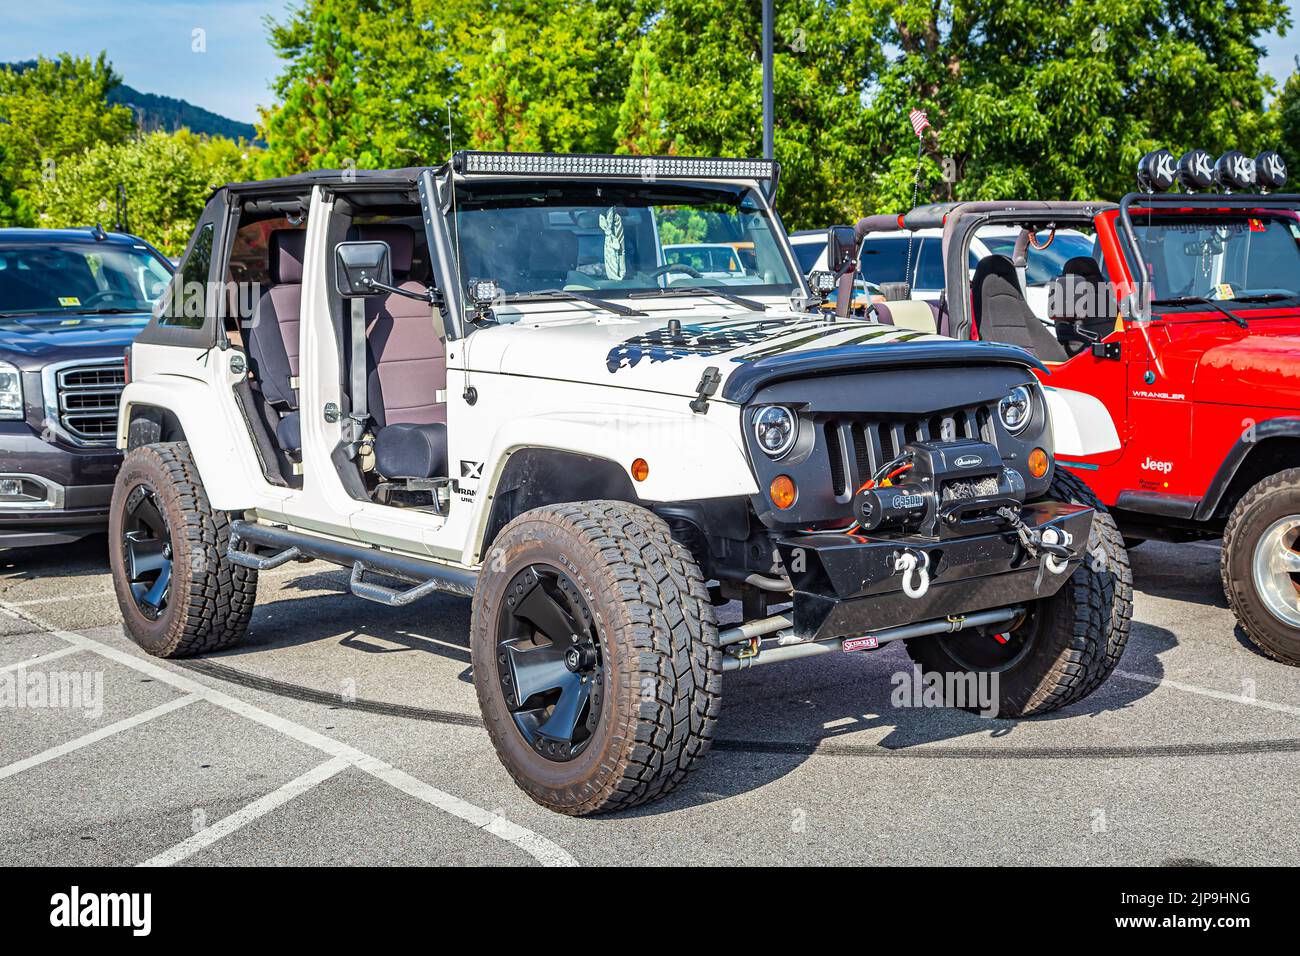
{"points": [[362, 268], [841, 248]]}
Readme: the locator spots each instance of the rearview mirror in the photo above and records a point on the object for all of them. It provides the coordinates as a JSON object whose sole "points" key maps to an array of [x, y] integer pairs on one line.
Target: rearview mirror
{"points": [[841, 248], [362, 268]]}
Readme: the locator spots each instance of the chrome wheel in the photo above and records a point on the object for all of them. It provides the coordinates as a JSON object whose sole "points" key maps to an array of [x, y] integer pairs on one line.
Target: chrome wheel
{"points": [[1276, 569]]}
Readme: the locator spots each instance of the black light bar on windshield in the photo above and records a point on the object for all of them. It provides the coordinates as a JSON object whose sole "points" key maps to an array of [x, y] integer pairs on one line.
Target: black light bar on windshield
{"points": [[469, 162]]}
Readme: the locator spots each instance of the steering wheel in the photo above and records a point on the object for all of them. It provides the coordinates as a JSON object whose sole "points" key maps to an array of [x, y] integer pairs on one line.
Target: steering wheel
{"points": [[1033, 238], [675, 267], [102, 296]]}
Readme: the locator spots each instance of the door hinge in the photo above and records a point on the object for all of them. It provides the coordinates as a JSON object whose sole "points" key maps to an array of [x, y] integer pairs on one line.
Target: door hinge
{"points": [[1108, 350]]}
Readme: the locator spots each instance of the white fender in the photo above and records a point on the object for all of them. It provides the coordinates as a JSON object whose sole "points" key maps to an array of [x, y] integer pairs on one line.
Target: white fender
{"points": [[690, 456], [220, 443], [1081, 424]]}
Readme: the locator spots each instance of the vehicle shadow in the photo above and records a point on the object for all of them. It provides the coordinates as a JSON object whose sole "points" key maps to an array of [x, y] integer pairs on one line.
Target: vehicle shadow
{"points": [[295, 612], [774, 717], [1178, 572], [86, 556], [853, 706]]}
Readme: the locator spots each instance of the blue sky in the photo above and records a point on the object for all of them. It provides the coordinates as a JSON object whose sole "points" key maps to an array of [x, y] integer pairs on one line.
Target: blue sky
{"points": [[152, 45]]}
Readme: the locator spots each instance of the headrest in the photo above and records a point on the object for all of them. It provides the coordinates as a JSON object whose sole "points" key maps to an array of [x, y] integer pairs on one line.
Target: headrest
{"points": [[400, 239], [990, 266], [1085, 267], [287, 248]]}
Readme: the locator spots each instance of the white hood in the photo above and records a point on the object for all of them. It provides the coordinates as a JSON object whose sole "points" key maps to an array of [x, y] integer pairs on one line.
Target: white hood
{"points": [[644, 354]]}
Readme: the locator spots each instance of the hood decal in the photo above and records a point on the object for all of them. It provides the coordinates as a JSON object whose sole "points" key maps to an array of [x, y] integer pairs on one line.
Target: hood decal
{"points": [[751, 340], [703, 339]]}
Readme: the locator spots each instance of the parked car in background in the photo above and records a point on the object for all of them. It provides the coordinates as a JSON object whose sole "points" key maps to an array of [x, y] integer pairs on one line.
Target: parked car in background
{"points": [[71, 300]]}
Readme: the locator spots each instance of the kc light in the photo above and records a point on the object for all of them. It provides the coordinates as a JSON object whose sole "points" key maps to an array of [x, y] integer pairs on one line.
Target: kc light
{"points": [[11, 392], [1016, 409], [1196, 170], [1156, 171], [1270, 170], [776, 429], [1235, 170]]}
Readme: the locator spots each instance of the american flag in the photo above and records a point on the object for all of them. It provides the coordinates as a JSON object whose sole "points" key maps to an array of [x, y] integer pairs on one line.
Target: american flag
{"points": [[920, 122]]}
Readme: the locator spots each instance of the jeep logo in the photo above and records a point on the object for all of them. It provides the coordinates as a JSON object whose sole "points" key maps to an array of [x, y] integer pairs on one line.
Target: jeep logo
{"points": [[968, 461], [1164, 467]]}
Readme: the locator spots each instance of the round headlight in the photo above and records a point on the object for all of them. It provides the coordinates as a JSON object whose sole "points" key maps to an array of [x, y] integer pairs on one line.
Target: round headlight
{"points": [[1016, 409], [776, 428]]}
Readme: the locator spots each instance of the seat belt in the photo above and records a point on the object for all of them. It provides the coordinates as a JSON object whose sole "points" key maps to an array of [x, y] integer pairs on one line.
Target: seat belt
{"points": [[359, 414]]}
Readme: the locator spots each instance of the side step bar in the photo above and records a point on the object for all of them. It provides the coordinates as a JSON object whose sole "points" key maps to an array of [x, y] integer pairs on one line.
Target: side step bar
{"points": [[426, 576]]}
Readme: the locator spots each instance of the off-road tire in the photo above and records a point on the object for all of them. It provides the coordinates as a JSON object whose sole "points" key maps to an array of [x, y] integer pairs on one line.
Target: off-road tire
{"points": [[210, 599], [1079, 632], [1275, 497], [661, 663]]}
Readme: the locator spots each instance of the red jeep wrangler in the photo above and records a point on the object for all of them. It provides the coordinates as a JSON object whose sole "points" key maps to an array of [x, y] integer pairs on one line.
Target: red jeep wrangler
{"points": [[1185, 323]]}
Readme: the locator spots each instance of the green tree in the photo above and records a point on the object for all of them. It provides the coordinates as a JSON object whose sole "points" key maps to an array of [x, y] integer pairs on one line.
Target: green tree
{"points": [[167, 178], [55, 110], [1287, 109], [1060, 100], [13, 211]]}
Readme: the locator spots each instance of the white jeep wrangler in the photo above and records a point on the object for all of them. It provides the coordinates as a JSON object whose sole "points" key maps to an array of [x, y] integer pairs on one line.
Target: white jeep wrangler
{"points": [[488, 378]]}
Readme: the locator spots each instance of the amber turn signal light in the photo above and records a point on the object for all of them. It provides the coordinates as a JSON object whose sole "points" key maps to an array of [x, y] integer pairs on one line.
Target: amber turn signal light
{"points": [[640, 469], [782, 491], [1038, 462]]}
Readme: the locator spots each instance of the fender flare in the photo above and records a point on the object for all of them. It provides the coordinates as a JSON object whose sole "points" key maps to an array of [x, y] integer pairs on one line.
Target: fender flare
{"points": [[1236, 457]]}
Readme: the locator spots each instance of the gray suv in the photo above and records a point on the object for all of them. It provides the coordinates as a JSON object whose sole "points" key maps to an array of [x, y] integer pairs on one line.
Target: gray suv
{"points": [[71, 300]]}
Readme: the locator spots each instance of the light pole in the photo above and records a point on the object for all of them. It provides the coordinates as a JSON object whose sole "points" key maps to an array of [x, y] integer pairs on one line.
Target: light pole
{"points": [[769, 143]]}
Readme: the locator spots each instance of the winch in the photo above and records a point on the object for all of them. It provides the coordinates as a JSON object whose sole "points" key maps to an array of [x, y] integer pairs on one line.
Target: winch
{"points": [[944, 488]]}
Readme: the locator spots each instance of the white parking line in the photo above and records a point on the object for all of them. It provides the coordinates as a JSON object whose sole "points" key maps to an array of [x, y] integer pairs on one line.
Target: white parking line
{"points": [[96, 735], [37, 661], [1209, 692], [535, 845], [259, 807], [62, 598]]}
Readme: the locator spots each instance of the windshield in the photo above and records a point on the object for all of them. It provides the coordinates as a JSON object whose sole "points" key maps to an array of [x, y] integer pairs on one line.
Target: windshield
{"points": [[1043, 265], [79, 279], [1223, 257], [607, 238]]}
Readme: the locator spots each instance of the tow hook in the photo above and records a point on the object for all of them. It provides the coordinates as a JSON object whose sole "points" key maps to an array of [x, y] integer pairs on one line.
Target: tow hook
{"points": [[1051, 544], [911, 563], [1055, 544]]}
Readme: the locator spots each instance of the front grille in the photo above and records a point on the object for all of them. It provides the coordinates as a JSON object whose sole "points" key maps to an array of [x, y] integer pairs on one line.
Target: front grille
{"points": [[88, 397], [860, 445]]}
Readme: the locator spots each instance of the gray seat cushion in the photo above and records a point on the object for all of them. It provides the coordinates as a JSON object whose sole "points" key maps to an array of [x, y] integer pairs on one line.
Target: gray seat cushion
{"points": [[406, 450], [273, 336]]}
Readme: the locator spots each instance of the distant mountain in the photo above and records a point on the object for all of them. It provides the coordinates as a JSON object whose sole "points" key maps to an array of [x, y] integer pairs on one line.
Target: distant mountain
{"points": [[153, 111], [163, 112]]}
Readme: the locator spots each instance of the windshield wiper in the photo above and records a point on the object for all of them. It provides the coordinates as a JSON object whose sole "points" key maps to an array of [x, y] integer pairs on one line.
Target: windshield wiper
{"points": [[1267, 297], [576, 297], [110, 311], [1202, 300], [682, 290]]}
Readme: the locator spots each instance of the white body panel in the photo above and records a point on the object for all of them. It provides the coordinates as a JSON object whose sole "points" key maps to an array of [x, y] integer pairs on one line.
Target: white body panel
{"points": [[1081, 425]]}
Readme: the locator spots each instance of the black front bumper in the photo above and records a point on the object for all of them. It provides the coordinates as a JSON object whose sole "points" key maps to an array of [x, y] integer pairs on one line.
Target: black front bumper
{"points": [[77, 484], [847, 585]]}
